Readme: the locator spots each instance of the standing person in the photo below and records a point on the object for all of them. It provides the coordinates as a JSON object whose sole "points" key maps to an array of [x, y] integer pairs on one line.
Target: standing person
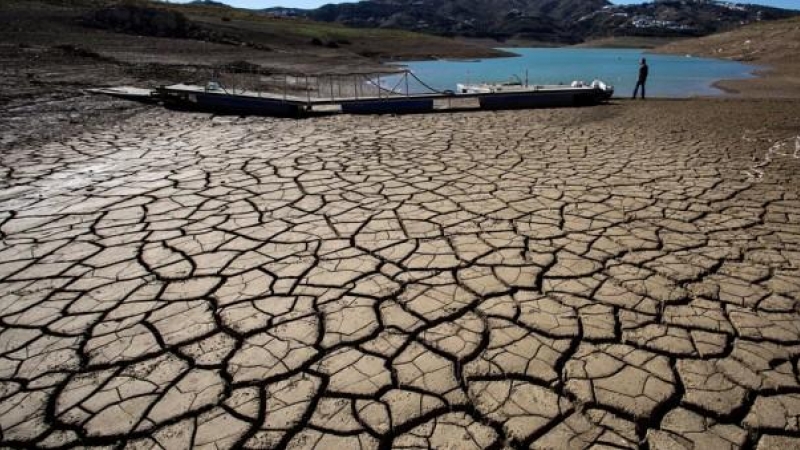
{"points": [[643, 71]]}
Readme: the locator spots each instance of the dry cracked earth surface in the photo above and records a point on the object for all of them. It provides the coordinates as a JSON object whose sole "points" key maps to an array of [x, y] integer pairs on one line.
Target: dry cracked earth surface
{"points": [[606, 277]]}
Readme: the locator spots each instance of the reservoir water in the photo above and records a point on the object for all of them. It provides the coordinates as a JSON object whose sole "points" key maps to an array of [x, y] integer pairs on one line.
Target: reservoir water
{"points": [[670, 75]]}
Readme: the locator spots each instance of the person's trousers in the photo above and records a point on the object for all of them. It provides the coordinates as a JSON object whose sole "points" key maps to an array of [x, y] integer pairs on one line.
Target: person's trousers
{"points": [[636, 91]]}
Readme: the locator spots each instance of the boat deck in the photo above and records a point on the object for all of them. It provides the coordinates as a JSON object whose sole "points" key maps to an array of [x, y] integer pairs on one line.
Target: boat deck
{"points": [[315, 100], [271, 103]]}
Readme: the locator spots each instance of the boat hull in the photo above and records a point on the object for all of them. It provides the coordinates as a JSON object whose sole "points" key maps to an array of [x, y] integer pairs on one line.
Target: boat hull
{"points": [[219, 101], [128, 93], [222, 103], [543, 99], [388, 106]]}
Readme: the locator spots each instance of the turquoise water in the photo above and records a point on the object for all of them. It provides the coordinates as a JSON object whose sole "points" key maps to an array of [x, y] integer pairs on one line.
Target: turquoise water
{"points": [[670, 75]]}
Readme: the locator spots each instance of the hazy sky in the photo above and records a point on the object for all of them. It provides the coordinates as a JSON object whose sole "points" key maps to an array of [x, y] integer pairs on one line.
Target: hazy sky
{"points": [[257, 4]]}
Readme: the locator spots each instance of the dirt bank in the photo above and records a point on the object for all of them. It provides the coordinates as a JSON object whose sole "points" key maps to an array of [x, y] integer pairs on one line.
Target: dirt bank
{"points": [[773, 45]]}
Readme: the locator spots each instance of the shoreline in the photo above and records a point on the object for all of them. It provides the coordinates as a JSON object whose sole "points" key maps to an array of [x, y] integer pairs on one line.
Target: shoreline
{"points": [[758, 73], [773, 47], [768, 81]]}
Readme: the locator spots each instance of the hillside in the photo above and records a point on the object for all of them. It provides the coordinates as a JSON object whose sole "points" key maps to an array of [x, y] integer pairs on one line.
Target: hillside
{"points": [[767, 42], [675, 18], [559, 21], [775, 45], [500, 19], [155, 32]]}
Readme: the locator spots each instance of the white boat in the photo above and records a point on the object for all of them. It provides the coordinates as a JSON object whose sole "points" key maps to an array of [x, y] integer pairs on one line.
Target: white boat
{"points": [[523, 95]]}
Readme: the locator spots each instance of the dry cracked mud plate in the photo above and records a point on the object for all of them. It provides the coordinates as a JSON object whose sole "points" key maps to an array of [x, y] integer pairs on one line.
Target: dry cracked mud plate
{"points": [[463, 281]]}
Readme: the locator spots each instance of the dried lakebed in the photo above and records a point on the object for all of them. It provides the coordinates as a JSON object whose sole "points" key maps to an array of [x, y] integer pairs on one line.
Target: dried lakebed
{"points": [[542, 279]]}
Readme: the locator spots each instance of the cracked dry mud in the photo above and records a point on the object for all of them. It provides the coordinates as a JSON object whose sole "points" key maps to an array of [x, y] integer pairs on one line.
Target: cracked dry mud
{"points": [[542, 279]]}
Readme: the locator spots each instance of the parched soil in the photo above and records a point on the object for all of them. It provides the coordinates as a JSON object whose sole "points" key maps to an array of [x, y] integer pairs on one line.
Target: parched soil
{"points": [[624, 276]]}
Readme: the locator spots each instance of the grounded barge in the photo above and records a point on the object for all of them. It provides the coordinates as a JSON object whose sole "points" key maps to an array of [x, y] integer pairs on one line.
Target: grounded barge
{"points": [[216, 98]]}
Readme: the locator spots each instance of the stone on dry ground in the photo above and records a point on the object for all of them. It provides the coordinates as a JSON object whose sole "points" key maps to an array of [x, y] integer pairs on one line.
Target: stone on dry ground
{"points": [[541, 279]]}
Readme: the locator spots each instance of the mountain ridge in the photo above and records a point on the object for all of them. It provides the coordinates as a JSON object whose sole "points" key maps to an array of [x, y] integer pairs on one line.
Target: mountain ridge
{"points": [[556, 21]]}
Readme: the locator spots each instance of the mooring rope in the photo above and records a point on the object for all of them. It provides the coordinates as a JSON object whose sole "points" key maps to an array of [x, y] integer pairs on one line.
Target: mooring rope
{"points": [[380, 88], [394, 91], [424, 84]]}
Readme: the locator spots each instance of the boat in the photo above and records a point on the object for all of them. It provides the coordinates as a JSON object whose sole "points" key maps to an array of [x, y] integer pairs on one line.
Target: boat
{"points": [[516, 94], [127, 93], [215, 98], [400, 105], [219, 99]]}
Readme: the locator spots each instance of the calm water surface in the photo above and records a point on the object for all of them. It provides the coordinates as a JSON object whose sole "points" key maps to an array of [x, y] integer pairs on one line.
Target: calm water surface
{"points": [[670, 75]]}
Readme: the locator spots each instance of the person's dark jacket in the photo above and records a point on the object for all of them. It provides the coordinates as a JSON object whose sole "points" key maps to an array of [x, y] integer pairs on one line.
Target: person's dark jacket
{"points": [[643, 70]]}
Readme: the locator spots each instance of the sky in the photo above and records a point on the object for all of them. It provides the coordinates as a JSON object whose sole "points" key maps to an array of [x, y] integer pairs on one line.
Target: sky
{"points": [[258, 4]]}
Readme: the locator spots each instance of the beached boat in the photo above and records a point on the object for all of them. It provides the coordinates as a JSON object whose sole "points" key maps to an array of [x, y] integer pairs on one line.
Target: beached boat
{"points": [[128, 93], [215, 98], [513, 95], [308, 98]]}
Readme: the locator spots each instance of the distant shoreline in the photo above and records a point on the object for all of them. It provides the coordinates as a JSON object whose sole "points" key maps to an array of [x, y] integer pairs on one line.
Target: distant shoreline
{"points": [[772, 46], [725, 86]]}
